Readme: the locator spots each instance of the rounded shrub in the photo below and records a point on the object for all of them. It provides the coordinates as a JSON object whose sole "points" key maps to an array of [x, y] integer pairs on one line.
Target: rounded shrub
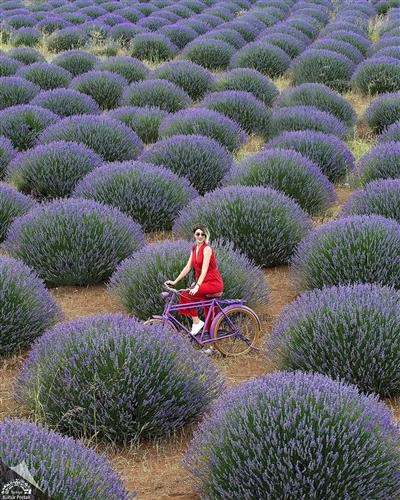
{"points": [[227, 35], [46, 76], [204, 122], [192, 78], [8, 66], [25, 37], [66, 102], [200, 159], [114, 364], [319, 96], [289, 172], [386, 41], [391, 134], [27, 308], [332, 155], [67, 39], [12, 205], [290, 30], [52, 170], [291, 45], [295, 118], [323, 66], [349, 332], [381, 197], [392, 52], [130, 68], [153, 47], [50, 24], [28, 443], [22, 124], [209, 52], [383, 111], [7, 153], [179, 34], [144, 120], [242, 107], [275, 422], [262, 223], [265, 58], [76, 61], [304, 25], [359, 41], [377, 75], [380, 162], [248, 80], [15, 90], [104, 87], [345, 48], [124, 33], [355, 249], [26, 55], [200, 27], [159, 93], [110, 138], [152, 196], [247, 30], [73, 242], [137, 281]]}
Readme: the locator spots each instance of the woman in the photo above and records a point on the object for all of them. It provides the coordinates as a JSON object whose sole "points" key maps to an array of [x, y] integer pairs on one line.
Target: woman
{"points": [[208, 278]]}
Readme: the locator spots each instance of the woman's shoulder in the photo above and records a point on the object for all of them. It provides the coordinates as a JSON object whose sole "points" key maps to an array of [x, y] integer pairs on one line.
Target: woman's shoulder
{"points": [[208, 248]]}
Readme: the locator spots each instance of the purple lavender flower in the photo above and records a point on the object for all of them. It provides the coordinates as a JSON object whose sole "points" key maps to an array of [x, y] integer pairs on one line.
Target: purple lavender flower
{"points": [[377, 75], [76, 61], [268, 59], [7, 153], [381, 161], [46, 76], [66, 102], [356, 249], [15, 90], [130, 68], [73, 242], [345, 48], [127, 381], [70, 468], [107, 137], [8, 66], [296, 435], [210, 53], [27, 308]]}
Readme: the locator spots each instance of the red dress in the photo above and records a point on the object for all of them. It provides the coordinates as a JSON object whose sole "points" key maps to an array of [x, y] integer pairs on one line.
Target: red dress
{"points": [[212, 282]]}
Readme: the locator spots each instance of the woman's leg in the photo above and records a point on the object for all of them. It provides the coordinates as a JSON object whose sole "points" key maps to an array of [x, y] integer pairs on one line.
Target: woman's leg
{"points": [[205, 289]]}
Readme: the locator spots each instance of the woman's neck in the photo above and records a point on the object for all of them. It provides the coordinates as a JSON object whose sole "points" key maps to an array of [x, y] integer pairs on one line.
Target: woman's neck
{"points": [[199, 244]]}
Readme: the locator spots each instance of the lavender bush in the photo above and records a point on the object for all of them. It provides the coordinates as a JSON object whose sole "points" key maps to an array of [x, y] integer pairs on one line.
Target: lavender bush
{"points": [[46, 76], [381, 197], [377, 75], [321, 97], [109, 138], [12, 205], [151, 195], [22, 124], [242, 107], [129, 68], [262, 223], [15, 90], [192, 78], [383, 111], [332, 155], [202, 160], [153, 47], [52, 170], [26, 55], [380, 162], [289, 172], [8, 66], [248, 80], [67, 39], [288, 43], [137, 282], [305, 436], [7, 153], [208, 52], [348, 332], [265, 58], [295, 118], [356, 249], [179, 34], [66, 102], [28, 37], [128, 381], [391, 134], [159, 93], [344, 48], [204, 122], [72, 470], [76, 61], [27, 308], [73, 242]]}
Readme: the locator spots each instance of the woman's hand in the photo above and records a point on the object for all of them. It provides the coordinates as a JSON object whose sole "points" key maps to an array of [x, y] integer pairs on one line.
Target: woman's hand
{"points": [[194, 290], [170, 282]]}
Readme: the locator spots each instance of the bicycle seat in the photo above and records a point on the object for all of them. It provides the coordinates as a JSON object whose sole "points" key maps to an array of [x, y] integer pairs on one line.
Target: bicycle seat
{"points": [[213, 295]]}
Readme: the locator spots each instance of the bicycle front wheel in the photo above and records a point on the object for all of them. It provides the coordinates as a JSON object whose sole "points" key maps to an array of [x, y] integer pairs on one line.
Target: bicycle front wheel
{"points": [[159, 321], [244, 323]]}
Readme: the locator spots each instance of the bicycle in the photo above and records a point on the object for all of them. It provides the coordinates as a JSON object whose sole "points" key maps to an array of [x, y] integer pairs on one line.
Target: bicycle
{"points": [[234, 330]]}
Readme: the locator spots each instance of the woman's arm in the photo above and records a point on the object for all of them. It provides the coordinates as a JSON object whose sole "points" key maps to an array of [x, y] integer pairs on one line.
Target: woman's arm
{"points": [[184, 272]]}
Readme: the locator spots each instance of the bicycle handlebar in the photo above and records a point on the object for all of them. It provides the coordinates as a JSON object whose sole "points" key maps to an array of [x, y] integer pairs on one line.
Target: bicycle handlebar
{"points": [[173, 290]]}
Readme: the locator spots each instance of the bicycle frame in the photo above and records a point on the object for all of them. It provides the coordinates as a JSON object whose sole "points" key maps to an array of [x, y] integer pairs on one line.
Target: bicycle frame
{"points": [[204, 337]]}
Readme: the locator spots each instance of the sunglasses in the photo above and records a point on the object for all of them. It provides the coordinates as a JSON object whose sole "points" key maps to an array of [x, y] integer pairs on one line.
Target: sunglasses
{"points": [[199, 234]]}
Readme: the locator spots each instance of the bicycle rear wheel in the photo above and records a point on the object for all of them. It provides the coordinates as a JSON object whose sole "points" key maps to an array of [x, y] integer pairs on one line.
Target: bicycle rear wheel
{"points": [[240, 319], [155, 321]]}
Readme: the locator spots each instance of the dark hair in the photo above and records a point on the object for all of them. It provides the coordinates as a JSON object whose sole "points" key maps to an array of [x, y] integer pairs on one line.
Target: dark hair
{"points": [[203, 228]]}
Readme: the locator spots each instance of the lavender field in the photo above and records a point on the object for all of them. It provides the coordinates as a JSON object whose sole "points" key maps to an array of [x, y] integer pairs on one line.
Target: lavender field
{"points": [[122, 125]]}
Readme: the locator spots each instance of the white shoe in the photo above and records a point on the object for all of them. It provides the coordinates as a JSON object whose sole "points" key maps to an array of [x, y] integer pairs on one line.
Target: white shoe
{"points": [[197, 327], [209, 350]]}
